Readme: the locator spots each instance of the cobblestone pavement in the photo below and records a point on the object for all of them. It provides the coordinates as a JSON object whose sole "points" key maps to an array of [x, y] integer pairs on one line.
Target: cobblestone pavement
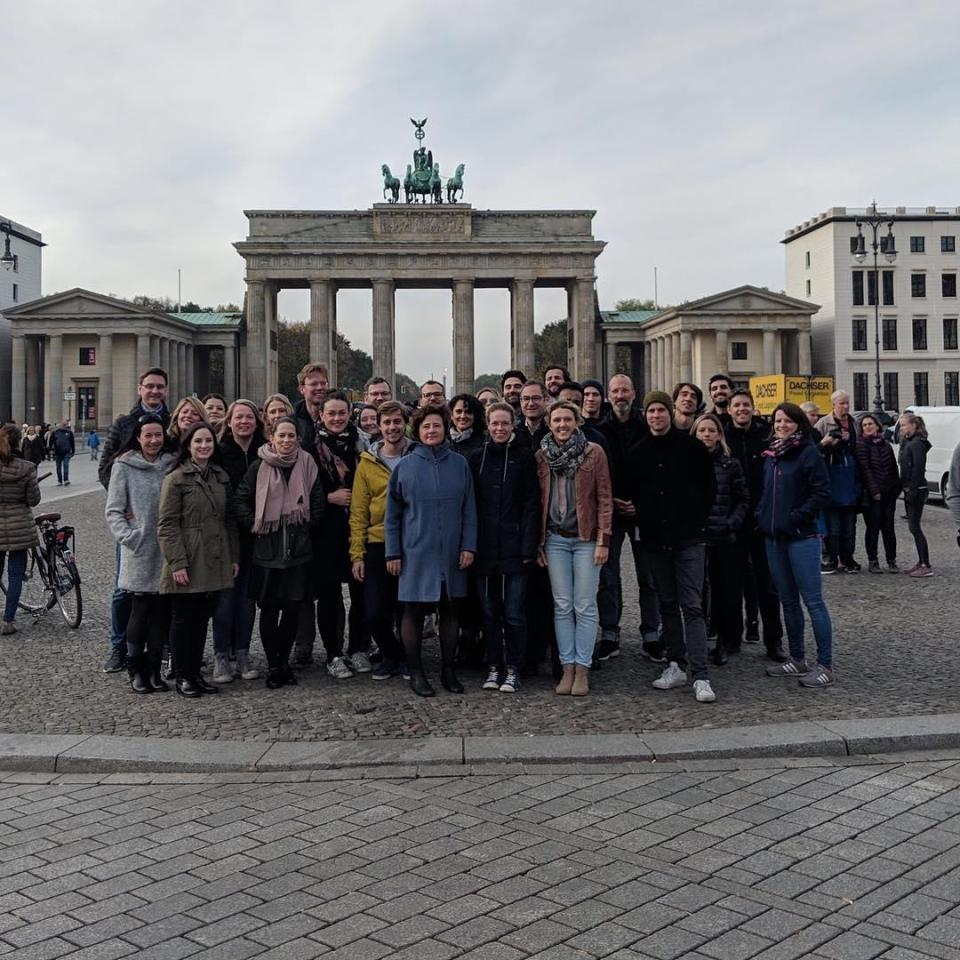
{"points": [[773, 861], [895, 641]]}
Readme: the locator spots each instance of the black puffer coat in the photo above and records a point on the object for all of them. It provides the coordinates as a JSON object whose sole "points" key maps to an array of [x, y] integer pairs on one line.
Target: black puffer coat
{"points": [[731, 501], [878, 466]]}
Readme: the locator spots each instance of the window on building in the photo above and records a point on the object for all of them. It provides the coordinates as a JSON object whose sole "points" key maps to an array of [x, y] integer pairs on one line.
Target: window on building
{"points": [[871, 288], [806, 259], [889, 325], [951, 388], [948, 285], [918, 284], [808, 288], [16, 263], [916, 244], [859, 333], [738, 350], [919, 333], [921, 389], [886, 281], [16, 292], [861, 391], [891, 391], [949, 333], [857, 279], [948, 244], [88, 356]]}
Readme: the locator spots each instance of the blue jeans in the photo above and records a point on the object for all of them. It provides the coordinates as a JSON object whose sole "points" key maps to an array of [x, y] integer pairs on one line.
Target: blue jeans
{"points": [[120, 606], [573, 578], [795, 568], [63, 469], [234, 615], [15, 572], [503, 598]]}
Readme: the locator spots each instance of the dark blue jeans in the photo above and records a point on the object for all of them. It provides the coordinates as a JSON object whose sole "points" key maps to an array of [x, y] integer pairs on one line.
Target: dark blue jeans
{"points": [[63, 469], [841, 533], [120, 606], [503, 598], [234, 616], [795, 568], [15, 572]]}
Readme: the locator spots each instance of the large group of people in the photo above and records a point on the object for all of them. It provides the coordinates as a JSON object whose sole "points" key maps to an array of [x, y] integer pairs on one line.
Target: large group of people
{"points": [[495, 522]]}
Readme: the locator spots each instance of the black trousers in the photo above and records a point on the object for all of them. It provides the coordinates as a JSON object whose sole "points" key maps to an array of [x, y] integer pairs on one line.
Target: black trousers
{"points": [[147, 631], [411, 630], [879, 517], [380, 601], [191, 613], [278, 630], [725, 578], [753, 553], [913, 503], [331, 617]]}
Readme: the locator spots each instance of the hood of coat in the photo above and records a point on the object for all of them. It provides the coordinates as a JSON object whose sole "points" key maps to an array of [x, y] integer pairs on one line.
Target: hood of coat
{"points": [[374, 453], [918, 439], [137, 461], [431, 454]]}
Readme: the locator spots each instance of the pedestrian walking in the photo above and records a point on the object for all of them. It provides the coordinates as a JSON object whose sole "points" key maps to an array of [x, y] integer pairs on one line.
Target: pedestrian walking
{"points": [[93, 443], [132, 513], [880, 478], [63, 447], [279, 501], [197, 532], [32, 446], [575, 527], [912, 458], [796, 487]]}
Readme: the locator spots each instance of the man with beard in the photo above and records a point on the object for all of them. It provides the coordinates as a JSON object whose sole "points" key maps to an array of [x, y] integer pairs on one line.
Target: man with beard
{"points": [[554, 378], [721, 387], [376, 391], [687, 405], [511, 383], [432, 394]]}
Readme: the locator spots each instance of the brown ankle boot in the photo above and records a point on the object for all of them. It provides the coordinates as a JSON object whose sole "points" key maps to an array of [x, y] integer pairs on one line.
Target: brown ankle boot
{"points": [[581, 682], [566, 681]]}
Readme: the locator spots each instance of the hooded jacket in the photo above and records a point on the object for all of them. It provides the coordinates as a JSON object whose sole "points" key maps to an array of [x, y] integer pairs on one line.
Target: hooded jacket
{"points": [[19, 492], [731, 502], [368, 502], [912, 459], [119, 435], [796, 487]]}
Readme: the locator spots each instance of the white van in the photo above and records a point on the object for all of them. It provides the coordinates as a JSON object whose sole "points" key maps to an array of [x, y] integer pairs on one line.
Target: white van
{"points": [[943, 432]]}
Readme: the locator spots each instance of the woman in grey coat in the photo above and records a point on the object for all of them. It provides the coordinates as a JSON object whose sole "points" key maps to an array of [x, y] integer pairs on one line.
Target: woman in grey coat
{"points": [[133, 506]]}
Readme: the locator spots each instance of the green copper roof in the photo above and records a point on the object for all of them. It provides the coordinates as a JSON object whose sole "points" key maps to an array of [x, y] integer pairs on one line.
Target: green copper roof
{"points": [[209, 319], [628, 316]]}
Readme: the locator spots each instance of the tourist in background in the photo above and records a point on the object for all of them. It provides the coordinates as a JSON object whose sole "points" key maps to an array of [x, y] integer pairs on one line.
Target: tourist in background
{"points": [[913, 478], [62, 447], [279, 500], [881, 481], [32, 446], [277, 405], [796, 487], [185, 414], [132, 513], [431, 540], [812, 412], [838, 431], [197, 532], [215, 409], [93, 443], [576, 519]]}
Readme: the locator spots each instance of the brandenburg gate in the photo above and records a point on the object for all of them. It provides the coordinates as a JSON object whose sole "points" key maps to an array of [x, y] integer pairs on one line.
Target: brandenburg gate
{"points": [[399, 245]]}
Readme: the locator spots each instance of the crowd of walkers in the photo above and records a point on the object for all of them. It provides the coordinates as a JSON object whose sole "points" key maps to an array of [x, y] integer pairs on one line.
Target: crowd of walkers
{"points": [[496, 522]]}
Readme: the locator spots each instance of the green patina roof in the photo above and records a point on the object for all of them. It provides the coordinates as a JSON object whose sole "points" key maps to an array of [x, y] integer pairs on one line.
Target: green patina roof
{"points": [[209, 319], [628, 316]]}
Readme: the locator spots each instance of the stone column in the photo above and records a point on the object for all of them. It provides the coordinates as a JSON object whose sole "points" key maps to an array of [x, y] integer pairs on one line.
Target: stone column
{"points": [[769, 353], [105, 387], [230, 373], [53, 379], [385, 332], [610, 360], [165, 356], [188, 350], [154, 351], [804, 361], [647, 368], [18, 379], [34, 380], [257, 357], [143, 354], [657, 364], [271, 290], [686, 357], [323, 323], [463, 353], [521, 327], [181, 370], [668, 380], [722, 354], [582, 319]]}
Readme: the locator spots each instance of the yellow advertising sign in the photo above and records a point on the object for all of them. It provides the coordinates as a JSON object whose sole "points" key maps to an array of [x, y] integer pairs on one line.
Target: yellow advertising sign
{"points": [[776, 388]]}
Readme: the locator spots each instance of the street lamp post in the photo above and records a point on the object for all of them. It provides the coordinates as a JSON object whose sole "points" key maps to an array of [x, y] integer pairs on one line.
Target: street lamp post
{"points": [[8, 259], [875, 220]]}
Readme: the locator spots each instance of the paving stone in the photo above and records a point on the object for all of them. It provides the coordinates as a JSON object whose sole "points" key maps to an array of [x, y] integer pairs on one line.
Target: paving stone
{"points": [[852, 946], [669, 943], [735, 945]]}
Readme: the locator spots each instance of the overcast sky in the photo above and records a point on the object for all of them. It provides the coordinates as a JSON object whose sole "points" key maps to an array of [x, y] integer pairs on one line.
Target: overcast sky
{"points": [[135, 134]]}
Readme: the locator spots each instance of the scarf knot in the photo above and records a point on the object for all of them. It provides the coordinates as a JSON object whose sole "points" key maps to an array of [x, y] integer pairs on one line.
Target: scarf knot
{"points": [[782, 445], [564, 460]]}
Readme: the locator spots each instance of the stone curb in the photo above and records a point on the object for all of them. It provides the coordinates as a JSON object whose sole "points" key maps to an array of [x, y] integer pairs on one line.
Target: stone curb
{"points": [[79, 753]]}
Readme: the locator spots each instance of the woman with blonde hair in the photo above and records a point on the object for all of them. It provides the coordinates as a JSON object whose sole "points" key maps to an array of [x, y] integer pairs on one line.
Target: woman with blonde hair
{"points": [[277, 405], [186, 413], [912, 459]]}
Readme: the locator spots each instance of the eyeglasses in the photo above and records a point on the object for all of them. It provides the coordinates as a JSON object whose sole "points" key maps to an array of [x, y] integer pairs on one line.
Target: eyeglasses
{"points": [[431, 396], [539, 399]]}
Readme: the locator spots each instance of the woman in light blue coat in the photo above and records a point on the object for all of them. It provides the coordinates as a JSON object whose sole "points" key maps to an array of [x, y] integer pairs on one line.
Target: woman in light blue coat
{"points": [[431, 539]]}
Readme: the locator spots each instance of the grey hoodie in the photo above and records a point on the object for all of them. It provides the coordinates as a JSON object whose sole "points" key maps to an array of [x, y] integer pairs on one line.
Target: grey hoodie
{"points": [[135, 488]]}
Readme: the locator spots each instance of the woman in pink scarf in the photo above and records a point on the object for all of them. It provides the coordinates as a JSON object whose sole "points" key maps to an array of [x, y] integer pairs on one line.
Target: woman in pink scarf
{"points": [[279, 501]]}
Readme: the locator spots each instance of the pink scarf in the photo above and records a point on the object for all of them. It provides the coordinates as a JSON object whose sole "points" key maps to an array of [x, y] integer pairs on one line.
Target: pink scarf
{"points": [[279, 501]]}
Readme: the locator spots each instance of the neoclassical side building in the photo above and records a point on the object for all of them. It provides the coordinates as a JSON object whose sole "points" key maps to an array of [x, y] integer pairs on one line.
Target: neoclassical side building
{"points": [[78, 355], [744, 332]]}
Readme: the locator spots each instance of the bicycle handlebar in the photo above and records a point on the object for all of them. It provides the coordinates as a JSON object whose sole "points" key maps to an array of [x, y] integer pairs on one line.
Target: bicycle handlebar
{"points": [[43, 476]]}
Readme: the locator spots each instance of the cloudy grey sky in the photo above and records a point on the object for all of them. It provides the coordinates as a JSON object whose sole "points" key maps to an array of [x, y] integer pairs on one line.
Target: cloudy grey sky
{"points": [[135, 134]]}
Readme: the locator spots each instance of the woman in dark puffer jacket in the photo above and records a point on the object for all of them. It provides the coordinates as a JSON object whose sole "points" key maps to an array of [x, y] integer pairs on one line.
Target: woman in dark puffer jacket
{"points": [[881, 481], [724, 598]]}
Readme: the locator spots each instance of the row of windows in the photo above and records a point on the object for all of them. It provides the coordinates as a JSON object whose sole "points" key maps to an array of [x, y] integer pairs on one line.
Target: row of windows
{"points": [[918, 287], [891, 390], [917, 245], [888, 333]]}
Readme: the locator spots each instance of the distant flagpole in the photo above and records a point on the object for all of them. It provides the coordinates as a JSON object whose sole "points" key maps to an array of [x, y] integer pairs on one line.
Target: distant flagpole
{"points": [[178, 290], [655, 298]]}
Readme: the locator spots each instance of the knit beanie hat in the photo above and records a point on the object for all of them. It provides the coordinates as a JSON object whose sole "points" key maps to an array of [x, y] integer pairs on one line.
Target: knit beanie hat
{"points": [[658, 396], [596, 384]]}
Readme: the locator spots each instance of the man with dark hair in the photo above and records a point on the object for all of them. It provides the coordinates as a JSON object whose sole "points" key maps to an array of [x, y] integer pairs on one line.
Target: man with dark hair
{"points": [[532, 427], [313, 382], [553, 378], [376, 391], [593, 398], [721, 387], [687, 405], [572, 391], [432, 394], [511, 383], [152, 399]]}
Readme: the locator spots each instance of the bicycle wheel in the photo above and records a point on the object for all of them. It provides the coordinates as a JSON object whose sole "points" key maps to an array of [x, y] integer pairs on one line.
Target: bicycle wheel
{"points": [[66, 582], [34, 597]]}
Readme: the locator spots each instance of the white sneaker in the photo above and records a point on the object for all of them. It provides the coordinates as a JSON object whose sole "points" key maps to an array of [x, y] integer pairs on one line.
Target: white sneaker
{"points": [[360, 662], [222, 672], [703, 691], [671, 677], [339, 669]]}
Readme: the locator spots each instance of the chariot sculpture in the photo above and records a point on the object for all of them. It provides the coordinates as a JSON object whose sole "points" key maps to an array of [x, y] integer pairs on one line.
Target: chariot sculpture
{"points": [[422, 182]]}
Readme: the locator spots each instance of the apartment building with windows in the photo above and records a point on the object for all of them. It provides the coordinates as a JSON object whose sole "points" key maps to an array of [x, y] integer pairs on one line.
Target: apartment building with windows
{"points": [[918, 304]]}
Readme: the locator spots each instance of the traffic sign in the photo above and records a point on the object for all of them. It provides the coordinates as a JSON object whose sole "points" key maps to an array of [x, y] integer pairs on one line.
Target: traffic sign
{"points": [[69, 395]]}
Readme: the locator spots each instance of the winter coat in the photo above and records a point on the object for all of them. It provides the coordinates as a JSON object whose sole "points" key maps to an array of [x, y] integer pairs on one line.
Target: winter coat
{"points": [[527, 439], [306, 428], [197, 529], [594, 496], [621, 439], [508, 507], [34, 449], [431, 518], [796, 487], [119, 435], [288, 545], [913, 464], [878, 467], [19, 492], [237, 461], [332, 537], [672, 486], [62, 443], [466, 447], [747, 447], [135, 485], [731, 501], [368, 501]]}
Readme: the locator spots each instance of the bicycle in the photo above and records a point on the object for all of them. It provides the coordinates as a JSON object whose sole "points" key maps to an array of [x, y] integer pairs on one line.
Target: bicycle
{"points": [[51, 577]]}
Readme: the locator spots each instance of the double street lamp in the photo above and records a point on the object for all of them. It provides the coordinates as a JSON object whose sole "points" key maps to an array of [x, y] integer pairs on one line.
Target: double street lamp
{"points": [[8, 259], [875, 220]]}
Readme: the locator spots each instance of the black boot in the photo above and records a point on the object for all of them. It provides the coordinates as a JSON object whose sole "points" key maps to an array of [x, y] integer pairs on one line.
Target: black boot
{"points": [[448, 677], [157, 683], [719, 654], [275, 679], [420, 685], [139, 685], [289, 677], [187, 688], [201, 684]]}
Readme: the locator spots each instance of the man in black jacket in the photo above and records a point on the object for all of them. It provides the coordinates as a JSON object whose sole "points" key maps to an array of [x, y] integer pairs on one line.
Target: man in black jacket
{"points": [[63, 447], [748, 436], [672, 484], [623, 427]]}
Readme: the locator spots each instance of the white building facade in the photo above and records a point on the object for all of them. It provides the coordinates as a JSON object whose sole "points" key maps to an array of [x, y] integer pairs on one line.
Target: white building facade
{"points": [[18, 284], [918, 304]]}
